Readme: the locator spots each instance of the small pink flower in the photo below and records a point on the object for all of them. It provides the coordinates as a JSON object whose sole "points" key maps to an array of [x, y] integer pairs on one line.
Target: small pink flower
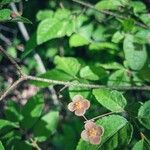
{"points": [[92, 133], [79, 105]]}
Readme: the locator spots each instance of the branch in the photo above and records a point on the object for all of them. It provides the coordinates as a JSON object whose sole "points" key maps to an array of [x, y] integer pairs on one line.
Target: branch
{"points": [[69, 84], [83, 85], [12, 61], [5, 39], [34, 144], [106, 12], [12, 87], [100, 116]]}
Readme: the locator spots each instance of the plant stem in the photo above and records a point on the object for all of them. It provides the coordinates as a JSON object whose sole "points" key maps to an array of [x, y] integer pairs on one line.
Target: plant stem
{"points": [[35, 145], [107, 12], [85, 118], [100, 116], [12, 61], [146, 88], [144, 137], [69, 84]]}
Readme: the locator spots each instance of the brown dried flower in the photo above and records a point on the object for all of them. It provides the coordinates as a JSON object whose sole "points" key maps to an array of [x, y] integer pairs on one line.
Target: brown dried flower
{"points": [[92, 133], [79, 105]]}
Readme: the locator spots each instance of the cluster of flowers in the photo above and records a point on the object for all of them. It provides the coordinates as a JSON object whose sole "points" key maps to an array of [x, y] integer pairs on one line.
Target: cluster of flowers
{"points": [[92, 132]]}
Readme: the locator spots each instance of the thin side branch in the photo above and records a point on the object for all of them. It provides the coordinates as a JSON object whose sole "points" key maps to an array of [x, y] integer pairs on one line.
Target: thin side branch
{"points": [[106, 12], [5, 39], [12, 87], [12, 61], [100, 116]]}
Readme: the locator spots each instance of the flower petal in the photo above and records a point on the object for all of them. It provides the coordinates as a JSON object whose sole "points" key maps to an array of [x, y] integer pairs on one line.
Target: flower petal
{"points": [[71, 106], [100, 130], [80, 112], [86, 104], [95, 140], [77, 98], [89, 124], [84, 135]]}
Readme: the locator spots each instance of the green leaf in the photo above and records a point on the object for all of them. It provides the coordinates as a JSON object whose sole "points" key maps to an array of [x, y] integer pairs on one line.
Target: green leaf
{"points": [[51, 28], [117, 37], [144, 114], [6, 126], [32, 111], [69, 65], [144, 73], [145, 19], [1, 146], [19, 144], [80, 20], [138, 7], [117, 134], [13, 111], [3, 2], [87, 73], [12, 51], [62, 13], [99, 33], [46, 126], [86, 31], [119, 78], [55, 26], [112, 66], [141, 145], [112, 100], [44, 14], [63, 140], [110, 4], [5, 14], [92, 73], [9, 138], [142, 36], [77, 40], [128, 24], [135, 54], [102, 45]]}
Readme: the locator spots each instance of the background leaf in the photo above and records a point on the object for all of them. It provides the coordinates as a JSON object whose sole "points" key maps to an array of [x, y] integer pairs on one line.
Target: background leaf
{"points": [[134, 53], [110, 4], [144, 114], [46, 126], [119, 78], [1, 146], [13, 111], [32, 111], [77, 40], [3, 2], [68, 65], [5, 14], [141, 145]]}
